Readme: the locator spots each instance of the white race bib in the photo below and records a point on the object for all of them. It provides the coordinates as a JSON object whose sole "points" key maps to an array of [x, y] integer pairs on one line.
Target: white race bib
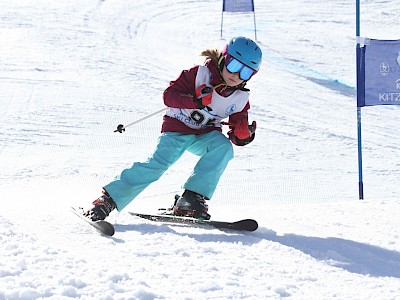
{"points": [[219, 109]]}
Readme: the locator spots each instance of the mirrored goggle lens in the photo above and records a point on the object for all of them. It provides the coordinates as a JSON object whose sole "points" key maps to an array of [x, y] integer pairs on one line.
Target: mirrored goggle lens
{"points": [[235, 66]]}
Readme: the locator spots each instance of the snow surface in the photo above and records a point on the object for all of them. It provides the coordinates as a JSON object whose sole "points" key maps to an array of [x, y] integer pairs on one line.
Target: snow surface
{"points": [[71, 71]]}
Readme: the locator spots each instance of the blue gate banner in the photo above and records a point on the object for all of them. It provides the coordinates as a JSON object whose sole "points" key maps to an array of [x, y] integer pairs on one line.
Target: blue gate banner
{"points": [[238, 5], [379, 73]]}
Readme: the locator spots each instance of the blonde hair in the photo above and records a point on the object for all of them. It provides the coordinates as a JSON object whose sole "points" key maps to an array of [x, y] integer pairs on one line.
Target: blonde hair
{"points": [[213, 54]]}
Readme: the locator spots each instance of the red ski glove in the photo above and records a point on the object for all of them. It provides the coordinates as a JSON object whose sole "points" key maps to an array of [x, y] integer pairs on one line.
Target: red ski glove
{"points": [[203, 96], [241, 130], [242, 134]]}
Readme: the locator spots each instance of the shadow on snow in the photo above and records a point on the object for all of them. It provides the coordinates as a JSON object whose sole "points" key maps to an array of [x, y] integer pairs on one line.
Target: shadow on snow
{"points": [[355, 257], [352, 256]]}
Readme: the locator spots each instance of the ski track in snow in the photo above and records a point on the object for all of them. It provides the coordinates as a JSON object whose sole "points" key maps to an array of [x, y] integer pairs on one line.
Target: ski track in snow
{"points": [[71, 72]]}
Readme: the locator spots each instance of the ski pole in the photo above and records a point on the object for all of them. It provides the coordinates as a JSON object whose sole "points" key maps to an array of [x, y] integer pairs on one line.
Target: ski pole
{"points": [[227, 123], [121, 128]]}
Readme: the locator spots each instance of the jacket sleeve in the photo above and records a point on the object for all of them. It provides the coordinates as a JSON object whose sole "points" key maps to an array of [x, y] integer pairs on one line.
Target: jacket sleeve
{"points": [[234, 118], [180, 92]]}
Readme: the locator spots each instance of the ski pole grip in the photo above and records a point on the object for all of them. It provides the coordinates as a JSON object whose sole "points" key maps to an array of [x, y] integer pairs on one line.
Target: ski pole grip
{"points": [[206, 90]]}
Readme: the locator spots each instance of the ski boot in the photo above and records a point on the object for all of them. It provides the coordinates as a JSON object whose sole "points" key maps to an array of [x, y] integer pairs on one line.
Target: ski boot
{"points": [[191, 204], [102, 207]]}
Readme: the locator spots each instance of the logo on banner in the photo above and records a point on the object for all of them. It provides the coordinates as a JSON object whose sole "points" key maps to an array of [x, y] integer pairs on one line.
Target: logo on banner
{"points": [[390, 96], [384, 69], [382, 74], [398, 59]]}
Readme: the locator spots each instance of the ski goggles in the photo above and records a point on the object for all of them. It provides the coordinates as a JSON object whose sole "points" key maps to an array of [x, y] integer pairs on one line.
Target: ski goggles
{"points": [[235, 66]]}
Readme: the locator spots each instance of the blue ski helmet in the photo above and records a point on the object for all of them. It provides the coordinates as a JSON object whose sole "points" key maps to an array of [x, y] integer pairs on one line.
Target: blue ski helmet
{"points": [[244, 50]]}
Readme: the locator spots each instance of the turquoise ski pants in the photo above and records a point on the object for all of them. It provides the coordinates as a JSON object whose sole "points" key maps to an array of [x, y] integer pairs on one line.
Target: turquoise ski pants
{"points": [[215, 151]]}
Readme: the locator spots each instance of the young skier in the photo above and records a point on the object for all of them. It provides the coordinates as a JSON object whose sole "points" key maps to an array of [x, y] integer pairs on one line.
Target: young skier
{"points": [[198, 100]]}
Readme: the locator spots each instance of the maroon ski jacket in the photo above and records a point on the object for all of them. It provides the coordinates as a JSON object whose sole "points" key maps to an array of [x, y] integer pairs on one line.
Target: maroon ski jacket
{"points": [[181, 92]]}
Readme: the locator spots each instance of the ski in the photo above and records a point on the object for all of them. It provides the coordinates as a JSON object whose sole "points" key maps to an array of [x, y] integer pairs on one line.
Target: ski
{"points": [[102, 226], [241, 225]]}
